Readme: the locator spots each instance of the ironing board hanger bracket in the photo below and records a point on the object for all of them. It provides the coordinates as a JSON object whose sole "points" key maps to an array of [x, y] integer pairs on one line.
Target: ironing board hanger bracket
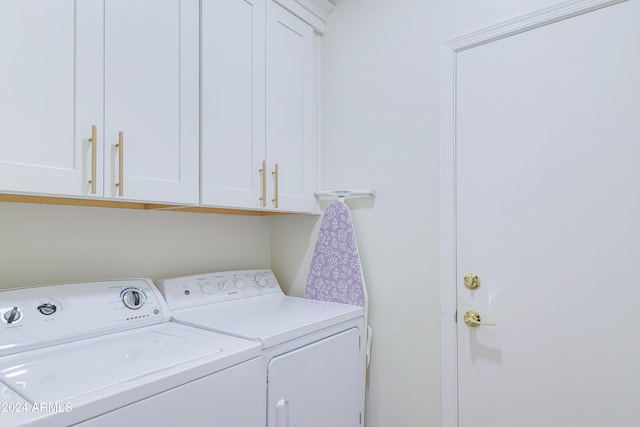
{"points": [[345, 194]]}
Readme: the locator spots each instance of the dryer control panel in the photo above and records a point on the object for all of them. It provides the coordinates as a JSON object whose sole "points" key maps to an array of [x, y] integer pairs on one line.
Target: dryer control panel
{"points": [[210, 288], [45, 315]]}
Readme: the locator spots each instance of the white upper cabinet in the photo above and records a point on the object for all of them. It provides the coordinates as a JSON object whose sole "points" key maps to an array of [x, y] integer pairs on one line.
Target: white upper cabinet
{"points": [[292, 99], [116, 65], [151, 100], [210, 102], [233, 103], [50, 94], [259, 107]]}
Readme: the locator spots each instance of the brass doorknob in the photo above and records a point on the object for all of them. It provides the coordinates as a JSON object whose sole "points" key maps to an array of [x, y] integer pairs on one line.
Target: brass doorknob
{"points": [[472, 319], [472, 281]]}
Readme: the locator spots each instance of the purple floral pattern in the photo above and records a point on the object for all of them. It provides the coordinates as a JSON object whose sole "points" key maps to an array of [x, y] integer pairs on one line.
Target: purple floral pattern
{"points": [[336, 274]]}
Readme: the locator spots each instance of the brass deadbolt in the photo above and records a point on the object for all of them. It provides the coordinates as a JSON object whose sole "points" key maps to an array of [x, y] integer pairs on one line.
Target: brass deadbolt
{"points": [[472, 281]]}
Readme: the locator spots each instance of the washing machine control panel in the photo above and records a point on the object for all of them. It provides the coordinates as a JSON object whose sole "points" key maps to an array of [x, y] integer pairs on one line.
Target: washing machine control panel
{"points": [[39, 316], [210, 288]]}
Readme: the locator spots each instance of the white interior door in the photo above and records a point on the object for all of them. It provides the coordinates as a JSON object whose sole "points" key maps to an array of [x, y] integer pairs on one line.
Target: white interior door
{"points": [[547, 197]]}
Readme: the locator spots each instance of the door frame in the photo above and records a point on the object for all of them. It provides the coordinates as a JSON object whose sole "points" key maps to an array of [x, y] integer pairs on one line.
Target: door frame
{"points": [[448, 120]]}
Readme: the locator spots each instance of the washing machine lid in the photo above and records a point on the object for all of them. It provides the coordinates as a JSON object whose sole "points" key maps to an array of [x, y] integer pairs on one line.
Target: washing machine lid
{"points": [[272, 319], [99, 374]]}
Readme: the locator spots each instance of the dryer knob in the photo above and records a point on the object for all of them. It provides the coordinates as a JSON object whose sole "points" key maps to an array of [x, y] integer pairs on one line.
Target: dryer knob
{"points": [[238, 283], [261, 280], [207, 289], [12, 315]]}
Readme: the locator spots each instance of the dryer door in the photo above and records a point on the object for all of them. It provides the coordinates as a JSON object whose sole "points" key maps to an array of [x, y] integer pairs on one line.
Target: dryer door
{"points": [[318, 385]]}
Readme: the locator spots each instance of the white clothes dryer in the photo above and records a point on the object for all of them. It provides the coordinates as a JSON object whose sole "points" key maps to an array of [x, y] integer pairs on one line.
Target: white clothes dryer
{"points": [[312, 351], [105, 353]]}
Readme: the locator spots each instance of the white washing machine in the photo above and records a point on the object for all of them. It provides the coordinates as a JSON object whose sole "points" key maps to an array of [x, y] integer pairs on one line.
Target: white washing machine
{"points": [[312, 351], [105, 354]]}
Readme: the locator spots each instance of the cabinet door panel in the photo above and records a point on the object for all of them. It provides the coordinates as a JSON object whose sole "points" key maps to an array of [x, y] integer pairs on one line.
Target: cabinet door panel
{"points": [[292, 108], [233, 52], [151, 95], [318, 385], [44, 76]]}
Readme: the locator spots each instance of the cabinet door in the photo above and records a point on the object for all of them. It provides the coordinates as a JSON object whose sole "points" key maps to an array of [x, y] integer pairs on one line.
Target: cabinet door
{"points": [[151, 96], [318, 385], [291, 98], [50, 94], [232, 145]]}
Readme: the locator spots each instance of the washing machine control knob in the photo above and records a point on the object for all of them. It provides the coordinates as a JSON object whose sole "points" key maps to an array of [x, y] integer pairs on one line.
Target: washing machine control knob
{"points": [[261, 280], [12, 315], [132, 298], [238, 283], [47, 308], [223, 285]]}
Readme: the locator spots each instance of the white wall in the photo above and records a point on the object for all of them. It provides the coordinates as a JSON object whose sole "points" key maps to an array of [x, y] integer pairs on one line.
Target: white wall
{"points": [[43, 244], [380, 115]]}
